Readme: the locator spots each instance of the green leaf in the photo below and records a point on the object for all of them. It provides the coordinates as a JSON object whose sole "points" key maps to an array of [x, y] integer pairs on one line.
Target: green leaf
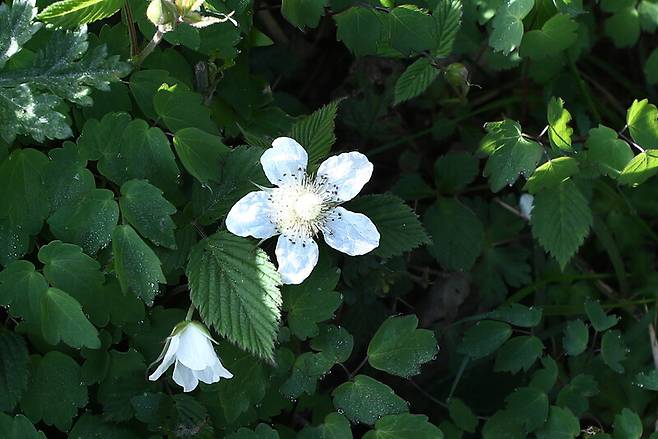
{"points": [[179, 108], [126, 377], [315, 132], [640, 169], [70, 270], [62, 319], [66, 176], [73, 13], [14, 363], [262, 431], [576, 336], [303, 13], [530, 407], [600, 320], [335, 426], [200, 153], [462, 415], [88, 426], [642, 121], [16, 27], [365, 400], [136, 265], [651, 67], [556, 35], [234, 286], [404, 426], [447, 17], [312, 301], [457, 234], [21, 289], [55, 391], [454, 171], [399, 228], [414, 80], [559, 131], [361, 29], [608, 151], [484, 338], [517, 315], [412, 30], [399, 348], [647, 380], [518, 353], [613, 350], [144, 207], [561, 220], [503, 424], [93, 142], [623, 28], [510, 154], [628, 425], [18, 427], [508, 25], [544, 379], [87, 222], [574, 396], [561, 424], [551, 174]]}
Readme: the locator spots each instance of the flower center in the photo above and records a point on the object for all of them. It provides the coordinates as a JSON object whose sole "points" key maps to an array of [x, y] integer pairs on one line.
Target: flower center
{"points": [[308, 207]]}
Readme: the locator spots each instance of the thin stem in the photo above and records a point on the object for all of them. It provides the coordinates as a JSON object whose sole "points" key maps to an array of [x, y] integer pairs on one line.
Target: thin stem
{"points": [[157, 37], [190, 313], [359, 367]]}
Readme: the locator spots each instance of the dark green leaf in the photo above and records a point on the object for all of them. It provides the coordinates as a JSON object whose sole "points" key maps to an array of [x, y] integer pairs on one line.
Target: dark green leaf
{"points": [[484, 338], [144, 207], [366, 400]]}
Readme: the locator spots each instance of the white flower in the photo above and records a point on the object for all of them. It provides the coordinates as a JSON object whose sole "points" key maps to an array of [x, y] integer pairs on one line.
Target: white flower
{"points": [[190, 348], [302, 206], [526, 204]]}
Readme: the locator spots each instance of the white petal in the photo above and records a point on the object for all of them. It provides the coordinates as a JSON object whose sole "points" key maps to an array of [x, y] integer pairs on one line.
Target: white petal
{"points": [[207, 375], [296, 257], [185, 377], [346, 174], [195, 350], [526, 203], [221, 371], [283, 162], [351, 233], [168, 360], [251, 216]]}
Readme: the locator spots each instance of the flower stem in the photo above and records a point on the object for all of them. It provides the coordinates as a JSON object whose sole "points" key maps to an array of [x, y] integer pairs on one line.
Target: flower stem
{"points": [[157, 37], [190, 312]]}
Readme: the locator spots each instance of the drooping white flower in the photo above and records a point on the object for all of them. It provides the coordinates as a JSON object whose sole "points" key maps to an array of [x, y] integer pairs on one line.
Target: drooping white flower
{"points": [[526, 204], [189, 348], [302, 206]]}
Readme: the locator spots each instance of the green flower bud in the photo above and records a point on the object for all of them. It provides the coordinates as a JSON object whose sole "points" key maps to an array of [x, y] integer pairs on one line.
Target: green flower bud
{"points": [[161, 12]]}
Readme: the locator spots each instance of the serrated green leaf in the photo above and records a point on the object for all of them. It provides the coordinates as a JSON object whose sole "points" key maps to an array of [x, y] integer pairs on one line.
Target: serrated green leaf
{"points": [[508, 25], [14, 362], [610, 153], [517, 315], [18, 26], [600, 320], [21, 289], [315, 132], [500, 267], [457, 234], [234, 286], [88, 426], [623, 28], [416, 78], [70, 270], [614, 350], [366, 400], [510, 153], [642, 167], [642, 121], [628, 425], [200, 153], [399, 348], [559, 131], [561, 220], [262, 431], [303, 13], [518, 353], [66, 176], [55, 391], [136, 265], [74, 13], [87, 222], [576, 336], [62, 320], [454, 171], [544, 379], [574, 396], [530, 406], [447, 16], [462, 415], [312, 301], [18, 427], [180, 108], [335, 426], [647, 380], [503, 424], [556, 35], [551, 174], [361, 29], [484, 338], [404, 426], [144, 207], [399, 228], [561, 424], [411, 30]]}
